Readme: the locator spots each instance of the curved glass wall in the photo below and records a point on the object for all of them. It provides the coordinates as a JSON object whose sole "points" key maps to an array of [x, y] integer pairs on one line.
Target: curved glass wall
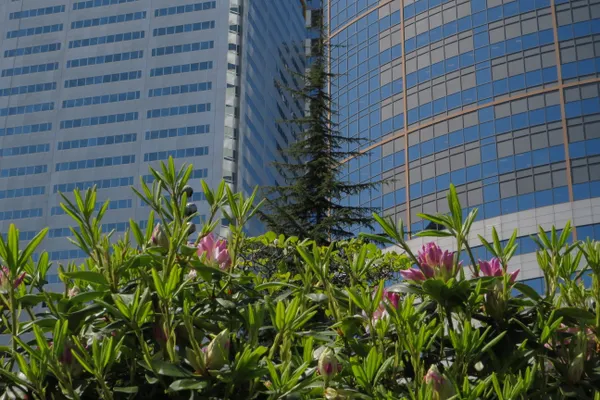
{"points": [[500, 98]]}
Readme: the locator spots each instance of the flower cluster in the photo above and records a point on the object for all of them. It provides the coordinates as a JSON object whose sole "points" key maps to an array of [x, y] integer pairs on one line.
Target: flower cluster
{"points": [[433, 263], [214, 251]]}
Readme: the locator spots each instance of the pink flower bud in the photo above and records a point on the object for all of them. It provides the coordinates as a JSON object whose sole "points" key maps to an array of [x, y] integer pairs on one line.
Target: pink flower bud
{"points": [[5, 282], [74, 291], [159, 237], [216, 354], [494, 268], [442, 387], [328, 364], [214, 251]]}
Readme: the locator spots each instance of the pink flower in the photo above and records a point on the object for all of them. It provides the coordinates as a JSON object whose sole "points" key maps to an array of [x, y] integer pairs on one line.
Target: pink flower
{"points": [[215, 251], [5, 280], [328, 364], [433, 263], [494, 268], [392, 298]]}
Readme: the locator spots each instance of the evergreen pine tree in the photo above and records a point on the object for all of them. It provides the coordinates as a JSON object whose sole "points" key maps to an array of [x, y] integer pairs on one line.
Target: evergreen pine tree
{"points": [[309, 205]]}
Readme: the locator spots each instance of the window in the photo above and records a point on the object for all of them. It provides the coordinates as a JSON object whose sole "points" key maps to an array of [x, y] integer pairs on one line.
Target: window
{"points": [[178, 110], [84, 62], [37, 12], [97, 141], [40, 87], [174, 132], [100, 184], [104, 99], [25, 51], [33, 108], [26, 129], [183, 48], [22, 171], [34, 31], [189, 88], [22, 150], [179, 153], [95, 163], [22, 192], [179, 69], [98, 3], [207, 5], [114, 19], [106, 119], [29, 69], [97, 80], [171, 30], [20, 214], [120, 37]]}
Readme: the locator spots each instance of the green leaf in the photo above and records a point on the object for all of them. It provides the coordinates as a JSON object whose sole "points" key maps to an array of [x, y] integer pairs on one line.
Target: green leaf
{"points": [[576, 313], [187, 384], [493, 342], [527, 291], [88, 276], [128, 389], [433, 233], [167, 369]]}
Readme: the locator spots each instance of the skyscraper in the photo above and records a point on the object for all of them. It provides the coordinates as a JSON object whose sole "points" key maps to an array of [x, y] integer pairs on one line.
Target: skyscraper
{"points": [[498, 97], [93, 92]]}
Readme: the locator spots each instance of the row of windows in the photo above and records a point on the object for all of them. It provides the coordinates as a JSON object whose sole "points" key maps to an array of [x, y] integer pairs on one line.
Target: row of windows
{"points": [[207, 5], [22, 171], [120, 37], [22, 150], [196, 174], [95, 163], [104, 99], [484, 53], [22, 192], [59, 255], [25, 51], [32, 108], [582, 107], [585, 148], [484, 130], [581, 68], [174, 132], [105, 119], [29, 69], [171, 30], [197, 196], [179, 153], [100, 184], [26, 129], [180, 69], [96, 80], [482, 92], [189, 88], [113, 19], [84, 62], [20, 214], [112, 205], [36, 12], [40, 87], [344, 10], [183, 48], [580, 29], [421, 6], [81, 5], [97, 141], [180, 110], [34, 31]]}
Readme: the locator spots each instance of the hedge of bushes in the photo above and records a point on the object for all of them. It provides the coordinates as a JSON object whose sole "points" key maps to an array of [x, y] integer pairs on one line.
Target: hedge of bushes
{"points": [[154, 315]]}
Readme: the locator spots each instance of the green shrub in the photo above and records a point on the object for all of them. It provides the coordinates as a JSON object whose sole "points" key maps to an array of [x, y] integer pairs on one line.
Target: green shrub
{"points": [[152, 316]]}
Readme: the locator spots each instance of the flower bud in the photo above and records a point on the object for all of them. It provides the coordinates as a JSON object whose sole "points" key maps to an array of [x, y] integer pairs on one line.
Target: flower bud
{"points": [[190, 208], [191, 228], [328, 364], [187, 189], [332, 394], [442, 387], [159, 237], [74, 291], [217, 353], [5, 282]]}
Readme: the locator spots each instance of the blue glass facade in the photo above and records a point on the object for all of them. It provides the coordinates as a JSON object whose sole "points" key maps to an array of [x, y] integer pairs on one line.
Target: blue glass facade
{"points": [[500, 98]]}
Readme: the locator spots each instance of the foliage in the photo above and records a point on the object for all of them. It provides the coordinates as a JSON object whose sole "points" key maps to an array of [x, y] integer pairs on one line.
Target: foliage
{"points": [[311, 202], [153, 316]]}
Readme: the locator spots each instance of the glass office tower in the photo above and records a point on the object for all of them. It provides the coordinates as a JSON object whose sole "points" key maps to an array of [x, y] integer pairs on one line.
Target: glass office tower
{"points": [[93, 92], [498, 97]]}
